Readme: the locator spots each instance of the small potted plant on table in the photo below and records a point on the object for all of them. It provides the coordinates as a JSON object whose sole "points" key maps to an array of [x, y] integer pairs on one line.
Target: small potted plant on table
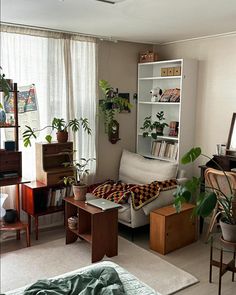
{"points": [[78, 179]]}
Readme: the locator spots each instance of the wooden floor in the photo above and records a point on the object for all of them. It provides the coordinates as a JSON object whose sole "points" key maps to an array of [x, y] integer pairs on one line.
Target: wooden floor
{"points": [[193, 259]]}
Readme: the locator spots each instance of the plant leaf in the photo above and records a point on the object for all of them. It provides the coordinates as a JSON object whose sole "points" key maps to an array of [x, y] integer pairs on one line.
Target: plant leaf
{"points": [[48, 138], [191, 155], [207, 205]]}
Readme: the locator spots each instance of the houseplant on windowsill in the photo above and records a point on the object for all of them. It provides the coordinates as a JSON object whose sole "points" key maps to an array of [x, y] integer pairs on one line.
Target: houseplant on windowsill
{"points": [[206, 201], [78, 179], [61, 126], [155, 128]]}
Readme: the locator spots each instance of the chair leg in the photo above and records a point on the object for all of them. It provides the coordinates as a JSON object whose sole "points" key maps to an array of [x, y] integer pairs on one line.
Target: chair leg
{"points": [[212, 223]]}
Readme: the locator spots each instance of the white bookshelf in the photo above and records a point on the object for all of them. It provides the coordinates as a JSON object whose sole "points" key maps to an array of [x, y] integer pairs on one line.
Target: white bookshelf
{"points": [[149, 77]]}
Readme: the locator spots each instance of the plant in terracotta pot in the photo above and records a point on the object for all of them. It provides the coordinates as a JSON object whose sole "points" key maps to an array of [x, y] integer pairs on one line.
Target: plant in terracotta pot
{"points": [[206, 201], [78, 179], [155, 128], [61, 126]]}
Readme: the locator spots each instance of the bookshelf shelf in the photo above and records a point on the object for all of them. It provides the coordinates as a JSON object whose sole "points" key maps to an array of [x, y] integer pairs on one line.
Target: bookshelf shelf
{"points": [[160, 78], [175, 138], [159, 103], [38, 200]]}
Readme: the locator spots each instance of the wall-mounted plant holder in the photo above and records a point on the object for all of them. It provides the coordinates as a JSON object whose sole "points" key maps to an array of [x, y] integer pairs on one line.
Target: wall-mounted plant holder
{"points": [[113, 132]]}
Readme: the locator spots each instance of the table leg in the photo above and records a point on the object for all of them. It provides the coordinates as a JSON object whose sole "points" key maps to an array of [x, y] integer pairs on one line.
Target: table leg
{"points": [[220, 271], [233, 272], [29, 223], [18, 234], [211, 255], [27, 236], [36, 227]]}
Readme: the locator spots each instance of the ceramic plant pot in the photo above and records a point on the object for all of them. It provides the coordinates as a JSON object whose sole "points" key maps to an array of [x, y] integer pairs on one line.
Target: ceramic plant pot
{"points": [[79, 192], [10, 216], [62, 136], [228, 231]]}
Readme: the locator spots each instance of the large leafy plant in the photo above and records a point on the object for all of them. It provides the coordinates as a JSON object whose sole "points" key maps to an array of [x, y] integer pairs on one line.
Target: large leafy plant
{"points": [[58, 124], [207, 199], [154, 128], [111, 104]]}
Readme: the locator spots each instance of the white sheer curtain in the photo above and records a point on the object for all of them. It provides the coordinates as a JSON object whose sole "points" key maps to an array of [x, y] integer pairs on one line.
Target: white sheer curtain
{"points": [[63, 69]]}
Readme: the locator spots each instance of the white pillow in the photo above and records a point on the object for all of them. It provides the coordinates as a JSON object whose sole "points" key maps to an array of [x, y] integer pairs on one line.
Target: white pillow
{"points": [[134, 168]]}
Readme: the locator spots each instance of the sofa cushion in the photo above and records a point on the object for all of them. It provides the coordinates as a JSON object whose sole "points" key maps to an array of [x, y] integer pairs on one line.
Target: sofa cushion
{"points": [[124, 213], [134, 168]]}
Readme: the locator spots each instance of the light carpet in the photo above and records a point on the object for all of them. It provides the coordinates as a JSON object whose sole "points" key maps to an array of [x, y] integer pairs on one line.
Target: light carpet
{"points": [[27, 265]]}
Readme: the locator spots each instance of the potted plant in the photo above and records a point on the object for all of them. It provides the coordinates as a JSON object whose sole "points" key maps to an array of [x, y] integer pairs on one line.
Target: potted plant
{"points": [[156, 126], [206, 201], [61, 126], [109, 106], [78, 179], [4, 86]]}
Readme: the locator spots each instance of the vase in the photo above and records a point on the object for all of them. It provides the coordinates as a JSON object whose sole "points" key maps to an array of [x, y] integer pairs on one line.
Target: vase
{"points": [[3, 197], [2, 116], [10, 216]]}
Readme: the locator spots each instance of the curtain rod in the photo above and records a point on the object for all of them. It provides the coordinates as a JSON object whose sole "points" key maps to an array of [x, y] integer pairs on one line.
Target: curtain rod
{"points": [[102, 38]]}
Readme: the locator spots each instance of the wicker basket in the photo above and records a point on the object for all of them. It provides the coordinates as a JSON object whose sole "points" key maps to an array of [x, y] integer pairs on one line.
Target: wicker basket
{"points": [[73, 222]]}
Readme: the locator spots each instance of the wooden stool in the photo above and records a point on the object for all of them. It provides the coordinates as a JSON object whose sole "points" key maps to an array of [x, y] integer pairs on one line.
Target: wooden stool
{"points": [[18, 226]]}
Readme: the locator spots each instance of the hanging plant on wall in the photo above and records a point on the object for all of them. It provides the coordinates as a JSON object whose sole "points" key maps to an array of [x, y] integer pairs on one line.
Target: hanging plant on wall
{"points": [[109, 106]]}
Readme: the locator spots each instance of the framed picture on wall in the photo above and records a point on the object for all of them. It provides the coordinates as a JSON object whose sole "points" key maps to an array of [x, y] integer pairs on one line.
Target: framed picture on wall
{"points": [[126, 96]]}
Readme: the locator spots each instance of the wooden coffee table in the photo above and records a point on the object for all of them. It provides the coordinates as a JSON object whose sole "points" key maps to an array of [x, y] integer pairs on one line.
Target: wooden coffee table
{"points": [[98, 227]]}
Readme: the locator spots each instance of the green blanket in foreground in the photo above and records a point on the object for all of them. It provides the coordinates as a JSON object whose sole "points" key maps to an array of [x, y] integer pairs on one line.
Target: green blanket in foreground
{"points": [[98, 281]]}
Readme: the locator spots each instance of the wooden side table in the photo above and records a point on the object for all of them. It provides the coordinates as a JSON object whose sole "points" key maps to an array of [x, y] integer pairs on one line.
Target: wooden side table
{"points": [[170, 230], [217, 242], [98, 227]]}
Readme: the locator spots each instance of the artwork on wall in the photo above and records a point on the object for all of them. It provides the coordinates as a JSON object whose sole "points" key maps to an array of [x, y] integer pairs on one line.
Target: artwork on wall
{"points": [[27, 100]]}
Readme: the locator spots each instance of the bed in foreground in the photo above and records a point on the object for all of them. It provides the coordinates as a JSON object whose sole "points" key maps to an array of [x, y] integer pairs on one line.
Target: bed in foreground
{"points": [[131, 284]]}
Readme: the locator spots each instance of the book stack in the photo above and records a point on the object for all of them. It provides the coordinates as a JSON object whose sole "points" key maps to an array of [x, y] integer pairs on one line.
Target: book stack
{"points": [[56, 195], [165, 149]]}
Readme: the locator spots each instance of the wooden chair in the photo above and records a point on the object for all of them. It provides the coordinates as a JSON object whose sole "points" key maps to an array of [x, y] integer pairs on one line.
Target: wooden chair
{"points": [[217, 181]]}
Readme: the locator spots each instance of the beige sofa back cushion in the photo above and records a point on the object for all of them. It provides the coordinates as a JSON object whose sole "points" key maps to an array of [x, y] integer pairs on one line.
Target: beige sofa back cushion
{"points": [[134, 168]]}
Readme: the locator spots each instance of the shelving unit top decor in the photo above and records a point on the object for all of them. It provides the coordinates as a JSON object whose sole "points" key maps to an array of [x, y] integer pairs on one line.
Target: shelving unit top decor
{"points": [[174, 84]]}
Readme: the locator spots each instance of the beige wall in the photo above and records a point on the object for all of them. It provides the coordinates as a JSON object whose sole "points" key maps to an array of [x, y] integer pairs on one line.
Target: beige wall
{"points": [[216, 96], [117, 63]]}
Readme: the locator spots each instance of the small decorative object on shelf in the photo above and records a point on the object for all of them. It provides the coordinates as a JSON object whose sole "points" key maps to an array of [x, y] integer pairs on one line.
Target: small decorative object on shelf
{"points": [[156, 94], [171, 71], [174, 128], [73, 222], [148, 56], [170, 95]]}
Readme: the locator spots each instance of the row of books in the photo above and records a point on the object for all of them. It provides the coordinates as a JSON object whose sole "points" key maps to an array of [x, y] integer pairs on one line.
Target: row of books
{"points": [[56, 195], [165, 149]]}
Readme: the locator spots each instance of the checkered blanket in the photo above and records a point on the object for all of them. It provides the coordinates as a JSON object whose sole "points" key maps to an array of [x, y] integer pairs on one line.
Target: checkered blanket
{"points": [[141, 195]]}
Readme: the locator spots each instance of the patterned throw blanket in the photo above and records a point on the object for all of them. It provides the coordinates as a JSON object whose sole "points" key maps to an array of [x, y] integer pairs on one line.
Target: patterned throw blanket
{"points": [[140, 194]]}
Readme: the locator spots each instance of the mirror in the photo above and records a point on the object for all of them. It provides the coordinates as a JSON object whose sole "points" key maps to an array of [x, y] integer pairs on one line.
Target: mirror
{"points": [[231, 144]]}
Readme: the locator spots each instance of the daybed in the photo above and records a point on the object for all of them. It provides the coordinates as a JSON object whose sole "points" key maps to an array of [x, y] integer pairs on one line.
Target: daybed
{"points": [[131, 284], [135, 169]]}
